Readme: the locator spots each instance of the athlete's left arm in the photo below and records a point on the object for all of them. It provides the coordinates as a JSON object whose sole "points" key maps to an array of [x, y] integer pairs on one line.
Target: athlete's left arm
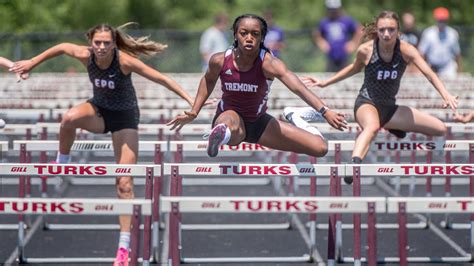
{"points": [[275, 68], [411, 54], [130, 64]]}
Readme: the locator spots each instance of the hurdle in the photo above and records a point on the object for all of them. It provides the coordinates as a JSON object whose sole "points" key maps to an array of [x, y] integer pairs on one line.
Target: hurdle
{"points": [[70, 206], [423, 170], [82, 170], [439, 205], [177, 171]]}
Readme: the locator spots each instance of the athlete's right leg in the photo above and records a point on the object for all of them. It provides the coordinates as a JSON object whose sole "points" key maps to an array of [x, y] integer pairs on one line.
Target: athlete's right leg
{"points": [[368, 119], [283, 136], [82, 116], [229, 128]]}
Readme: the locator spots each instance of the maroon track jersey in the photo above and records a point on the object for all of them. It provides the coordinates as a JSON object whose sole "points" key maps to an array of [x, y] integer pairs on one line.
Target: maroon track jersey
{"points": [[244, 92]]}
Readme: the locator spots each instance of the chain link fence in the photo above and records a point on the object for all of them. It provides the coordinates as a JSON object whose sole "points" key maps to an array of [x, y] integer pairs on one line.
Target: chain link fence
{"points": [[182, 54]]}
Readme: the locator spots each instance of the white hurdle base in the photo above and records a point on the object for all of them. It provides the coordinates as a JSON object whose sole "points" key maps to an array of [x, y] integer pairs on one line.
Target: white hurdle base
{"points": [[419, 225], [281, 226], [304, 258], [74, 227], [71, 260], [434, 181], [456, 226], [414, 259]]}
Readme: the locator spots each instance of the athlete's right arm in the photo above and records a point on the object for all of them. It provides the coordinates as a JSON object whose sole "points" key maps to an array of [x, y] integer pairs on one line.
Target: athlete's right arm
{"points": [[76, 51], [354, 68], [206, 86]]}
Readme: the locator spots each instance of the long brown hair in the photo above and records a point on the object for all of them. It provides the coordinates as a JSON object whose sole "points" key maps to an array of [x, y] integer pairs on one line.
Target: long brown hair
{"points": [[370, 29], [128, 44]]}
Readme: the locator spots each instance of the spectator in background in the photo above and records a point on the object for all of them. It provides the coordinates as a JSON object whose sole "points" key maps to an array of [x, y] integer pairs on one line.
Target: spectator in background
{"points": [[275, 39], [337, 36], [411, 35], [214, 39], [439, 45]]}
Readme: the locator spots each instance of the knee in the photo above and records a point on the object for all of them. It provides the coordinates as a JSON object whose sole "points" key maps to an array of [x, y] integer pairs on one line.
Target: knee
{"points": [[370, 131], [442, 130], [321, 149], [68, 119], [125, 187]]}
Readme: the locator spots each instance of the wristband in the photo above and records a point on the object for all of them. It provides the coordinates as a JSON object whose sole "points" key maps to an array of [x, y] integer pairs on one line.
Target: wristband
{"points": [[323, 110]]}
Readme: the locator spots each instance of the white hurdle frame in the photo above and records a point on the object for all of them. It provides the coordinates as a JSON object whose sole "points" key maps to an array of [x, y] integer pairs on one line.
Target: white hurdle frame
{"points": [[81, 206], [86, 170], [177, 205], [421, 170], [439, 205], [177, 171]]}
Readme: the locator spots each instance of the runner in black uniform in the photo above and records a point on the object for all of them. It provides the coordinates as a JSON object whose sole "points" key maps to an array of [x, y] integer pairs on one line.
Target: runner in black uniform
{"points": [[110, 60], [384, 58]]}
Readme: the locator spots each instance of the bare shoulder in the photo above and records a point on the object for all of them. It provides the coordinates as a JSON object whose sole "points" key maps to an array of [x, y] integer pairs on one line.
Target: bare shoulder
{"points": [[217, 60], [366, 48]]}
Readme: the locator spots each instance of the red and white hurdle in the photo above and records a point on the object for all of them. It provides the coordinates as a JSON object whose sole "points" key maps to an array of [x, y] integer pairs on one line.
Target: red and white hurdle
{"points": [[85, 170]]}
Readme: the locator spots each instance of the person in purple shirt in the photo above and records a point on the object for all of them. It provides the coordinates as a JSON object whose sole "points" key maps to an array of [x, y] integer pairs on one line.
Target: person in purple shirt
{"points": [[337, 36], [275, 39]]}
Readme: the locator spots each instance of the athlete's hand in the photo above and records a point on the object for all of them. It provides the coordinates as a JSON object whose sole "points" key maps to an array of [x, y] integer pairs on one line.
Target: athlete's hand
{"points": [[336, 120], [312, 82], [451, 101], [23, 66], [461, 118], [180, 120]]}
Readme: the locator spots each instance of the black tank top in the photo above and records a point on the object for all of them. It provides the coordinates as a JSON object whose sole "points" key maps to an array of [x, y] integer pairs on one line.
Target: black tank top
{"points": [[112, 89], [382, 79]]}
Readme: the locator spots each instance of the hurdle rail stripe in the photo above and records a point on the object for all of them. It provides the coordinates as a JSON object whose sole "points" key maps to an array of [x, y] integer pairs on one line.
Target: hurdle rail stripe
{"points": [[432, 205], [73, 206], [271, 204], [200, 129], [245, 169], [412, 169], [84, 145], [86, 170]]}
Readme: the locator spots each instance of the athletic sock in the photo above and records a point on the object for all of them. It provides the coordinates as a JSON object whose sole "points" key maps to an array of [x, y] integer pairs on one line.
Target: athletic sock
{"points": [[226, 136], [62, 158], [124, 240]]}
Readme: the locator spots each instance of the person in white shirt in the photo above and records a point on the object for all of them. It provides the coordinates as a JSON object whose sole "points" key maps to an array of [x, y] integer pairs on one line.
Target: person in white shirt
{"points": [[214, 39], [439, 45]]}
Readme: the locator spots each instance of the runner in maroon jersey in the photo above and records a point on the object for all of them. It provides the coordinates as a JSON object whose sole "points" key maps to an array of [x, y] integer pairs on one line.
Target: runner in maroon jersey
{"points": [[246, 72]]}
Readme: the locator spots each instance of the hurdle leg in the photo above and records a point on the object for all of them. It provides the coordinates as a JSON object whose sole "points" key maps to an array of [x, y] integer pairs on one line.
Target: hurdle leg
{"points": [[135, 241], [332, 225], [402, 234], [371, 236], [357, 219]]}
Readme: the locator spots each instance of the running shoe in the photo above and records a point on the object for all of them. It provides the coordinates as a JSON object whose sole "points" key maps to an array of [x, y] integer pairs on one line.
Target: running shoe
{"points": [[122, 257], [348, 180], [215, 139], [307, 113], [299, 117]]}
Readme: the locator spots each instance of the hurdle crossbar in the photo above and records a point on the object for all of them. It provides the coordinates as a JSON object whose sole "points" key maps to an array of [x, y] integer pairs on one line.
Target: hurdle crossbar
{"points": [[73, 206], [176, 205]]}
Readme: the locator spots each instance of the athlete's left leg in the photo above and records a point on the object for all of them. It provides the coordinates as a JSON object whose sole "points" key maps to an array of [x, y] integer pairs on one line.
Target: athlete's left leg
{"points": [[125, 143], [413, 120]]}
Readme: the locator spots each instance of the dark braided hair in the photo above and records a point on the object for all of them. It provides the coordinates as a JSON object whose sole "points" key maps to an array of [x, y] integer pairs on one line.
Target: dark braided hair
{"points": [[263, 27]]}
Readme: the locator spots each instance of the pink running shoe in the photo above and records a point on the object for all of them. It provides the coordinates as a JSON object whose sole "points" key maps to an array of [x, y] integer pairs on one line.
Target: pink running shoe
{"points": [[122, 257], [215, 139]]}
